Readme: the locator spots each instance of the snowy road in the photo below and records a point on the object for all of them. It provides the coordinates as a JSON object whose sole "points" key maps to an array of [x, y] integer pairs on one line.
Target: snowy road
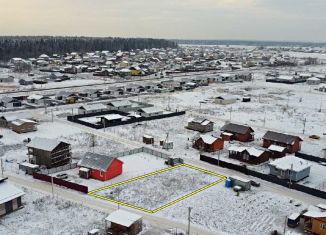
{"points": [[99, 205]]}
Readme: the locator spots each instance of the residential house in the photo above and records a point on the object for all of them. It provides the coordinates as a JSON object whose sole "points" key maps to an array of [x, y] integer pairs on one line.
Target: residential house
{"points": [[290, 142], [6, 120], [110, 119], [122, 105], [26, 81], [23, 126], [37, 99], [315, 221], [8, 79], [150, 112], [313, 81], [48, 152], [290, 168], [10, 103], [92, 108], [124, 222], [202, 126], [10, 197], [208, 143], [100, 167], [242, 133], [250, 155]]}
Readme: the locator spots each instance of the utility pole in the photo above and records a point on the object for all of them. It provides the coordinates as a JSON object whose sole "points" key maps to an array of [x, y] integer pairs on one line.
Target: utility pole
{"points": [[52, 115], [230, 113], [291, 174], [103, 120], [1, 167], [286, 218], [304, 125], [189, 218], [52, 186]]}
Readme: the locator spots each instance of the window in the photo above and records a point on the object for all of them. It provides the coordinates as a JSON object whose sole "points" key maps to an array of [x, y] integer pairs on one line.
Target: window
{"points": [[322, 226], [101, 173]]}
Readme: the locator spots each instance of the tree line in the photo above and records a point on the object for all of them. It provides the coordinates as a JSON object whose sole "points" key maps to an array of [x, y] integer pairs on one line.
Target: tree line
{"points": [[31, 47]]}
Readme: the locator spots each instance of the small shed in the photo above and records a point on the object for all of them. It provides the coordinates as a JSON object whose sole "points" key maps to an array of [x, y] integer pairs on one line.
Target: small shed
{"points": [[238, 181], [225, 100], [313, 81], [147, 139], [124, 222], [277, 151], [28, 168], [208, 143]]}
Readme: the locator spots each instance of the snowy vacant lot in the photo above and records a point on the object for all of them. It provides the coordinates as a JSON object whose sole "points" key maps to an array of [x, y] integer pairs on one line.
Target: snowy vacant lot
{"points": [[219, 209], [159, 189]]}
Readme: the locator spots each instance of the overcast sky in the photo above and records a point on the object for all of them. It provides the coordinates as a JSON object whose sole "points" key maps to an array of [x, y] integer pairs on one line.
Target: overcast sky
{"points": [[290, 20]]}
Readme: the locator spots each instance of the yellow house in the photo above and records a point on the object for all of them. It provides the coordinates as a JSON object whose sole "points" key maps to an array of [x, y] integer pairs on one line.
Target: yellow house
{"points": [[135, 71]]}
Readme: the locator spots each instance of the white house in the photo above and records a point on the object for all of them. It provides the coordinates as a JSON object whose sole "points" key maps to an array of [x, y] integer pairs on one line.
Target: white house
{"points": [[92, 108], [224, 100], [150, 112], [313, 81]]}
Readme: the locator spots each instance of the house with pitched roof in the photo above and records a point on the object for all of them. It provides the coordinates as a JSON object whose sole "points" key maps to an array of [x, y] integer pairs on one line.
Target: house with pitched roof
{"points": [[48, 152], [290, 142], [249, 155], [202, 126], [208, 143], [101, 167], [290, 168], [242, 133], [10, 197]]}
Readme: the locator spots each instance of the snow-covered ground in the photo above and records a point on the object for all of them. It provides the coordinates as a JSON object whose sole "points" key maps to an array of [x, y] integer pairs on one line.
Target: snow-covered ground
{"points": [[159, 189], [43, 214]]}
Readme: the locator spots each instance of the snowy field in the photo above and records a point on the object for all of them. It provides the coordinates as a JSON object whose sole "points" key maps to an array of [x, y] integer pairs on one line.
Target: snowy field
{"points": [[159, 189], [219, 209]]}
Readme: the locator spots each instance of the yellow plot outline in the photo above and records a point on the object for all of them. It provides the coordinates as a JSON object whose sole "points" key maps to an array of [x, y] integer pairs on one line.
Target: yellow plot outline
{"points": [[222, 178]]}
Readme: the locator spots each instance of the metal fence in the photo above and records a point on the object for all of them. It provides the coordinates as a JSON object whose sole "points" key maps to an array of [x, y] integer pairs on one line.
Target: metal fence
{"points": [[269, 178], [151, 151], [310, 157], [57, 181]]}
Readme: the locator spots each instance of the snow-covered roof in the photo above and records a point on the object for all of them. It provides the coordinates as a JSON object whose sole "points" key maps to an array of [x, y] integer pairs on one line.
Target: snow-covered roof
{"points": [[240, 179], [96, 161], [276, 148], [255, 152], [123, 218], [236, 128], [285, 77], [280, 137], [313, 79], [9, 192], [20, 122], [30, 165], [208, 139], [151, 110], [294, 216], [120, 103], [321, 206], [43, 143], [315, 214], [35, 97], [235, 148], [110, 117], [290, 162], [93, 107]]}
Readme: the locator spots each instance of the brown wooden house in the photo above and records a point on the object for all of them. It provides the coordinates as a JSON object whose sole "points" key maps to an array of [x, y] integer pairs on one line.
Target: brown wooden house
{"points": [[208, 143], [147, 139], [123, 222], [290, 142], [48, 152], [249, 155], [237, 132], [10, 197], [23, 126]]}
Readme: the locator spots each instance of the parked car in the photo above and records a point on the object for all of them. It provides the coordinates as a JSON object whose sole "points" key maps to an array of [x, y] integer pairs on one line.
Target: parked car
{"points": [[62, 176], [254, 183]]}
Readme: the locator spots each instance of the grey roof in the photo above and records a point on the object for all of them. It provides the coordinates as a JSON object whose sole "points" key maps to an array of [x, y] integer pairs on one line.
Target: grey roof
{"points": [[235, 128], [96, 161], [43, 143], [280, 137], [120, 103]]}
